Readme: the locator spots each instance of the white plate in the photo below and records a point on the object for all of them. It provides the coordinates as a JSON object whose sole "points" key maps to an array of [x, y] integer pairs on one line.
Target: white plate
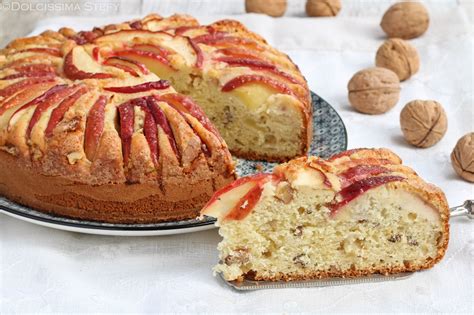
{"points": [[111, 232]]}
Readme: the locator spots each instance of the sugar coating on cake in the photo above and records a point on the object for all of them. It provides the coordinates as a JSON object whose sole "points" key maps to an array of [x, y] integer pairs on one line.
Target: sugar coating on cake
{"points": [[358, 213]]}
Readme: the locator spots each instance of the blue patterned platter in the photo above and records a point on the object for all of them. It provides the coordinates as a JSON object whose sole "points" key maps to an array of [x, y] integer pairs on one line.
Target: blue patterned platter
{"points": [[329, 138]]}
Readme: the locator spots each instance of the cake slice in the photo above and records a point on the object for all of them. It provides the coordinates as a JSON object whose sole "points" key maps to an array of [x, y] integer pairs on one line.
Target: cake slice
{"points": [[357, 213]]}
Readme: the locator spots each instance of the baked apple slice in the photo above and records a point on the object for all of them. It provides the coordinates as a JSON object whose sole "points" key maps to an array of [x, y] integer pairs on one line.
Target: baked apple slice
{"points": [[94, 127], [143, 87], [29, 71], [21, 85], [236, 201], [127, 119], [258, 79], [56, 96], [161, 120], [59, 111], [128, 65], [128, 36], [44, 50], [78, 65], [358, 188], [258, 65], [154, 62], [48, 97], [186, 105]]}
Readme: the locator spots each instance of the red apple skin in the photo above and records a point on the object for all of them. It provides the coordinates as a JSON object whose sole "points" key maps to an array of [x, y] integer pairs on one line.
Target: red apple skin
{"points": [[127, 118], [147, 86], [96, 53], [34, 70], [210, 38], [198, 52], [220, 39], [257, 64], [73, 73], [58, 113], [238, 53], [94, 127], [43, 106], [185, 104], [148, 54], [236, 183], [246, 62], [135, 33], [360, 172], [37, 67], [163, 52], [358, 188], [162, 121], [137, 25], [45, 97], [50, 51], [85, 37], [28, 75], [345, 153], [248, 202], [124, 68], [245, 205], [114, 63], [128, 65], [149, 130], [17, 86], [30, 71], [250, 78], [183, 29]]}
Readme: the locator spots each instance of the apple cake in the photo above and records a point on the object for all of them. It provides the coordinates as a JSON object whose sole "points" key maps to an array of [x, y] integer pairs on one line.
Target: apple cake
{"points": [[357, 213], [104, 124]]}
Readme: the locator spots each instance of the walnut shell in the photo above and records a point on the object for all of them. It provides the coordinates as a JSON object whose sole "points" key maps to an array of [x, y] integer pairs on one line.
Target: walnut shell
{"points": [[423, 123], [462, 157], [273, 8], [323, 7], [374, 90], [405, 20], [399, 56]]}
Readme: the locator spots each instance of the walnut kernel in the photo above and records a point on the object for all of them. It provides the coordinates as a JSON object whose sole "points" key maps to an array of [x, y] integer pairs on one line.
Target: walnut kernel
{"points": [[240, 256], [284, 192]]}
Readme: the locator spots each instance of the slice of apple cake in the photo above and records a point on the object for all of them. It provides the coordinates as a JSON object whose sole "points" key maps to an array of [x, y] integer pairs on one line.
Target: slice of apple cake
{"points": [[357, 213]]}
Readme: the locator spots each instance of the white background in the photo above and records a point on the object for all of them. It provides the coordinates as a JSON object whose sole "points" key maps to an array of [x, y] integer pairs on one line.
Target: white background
{"points": [[44, 270]]}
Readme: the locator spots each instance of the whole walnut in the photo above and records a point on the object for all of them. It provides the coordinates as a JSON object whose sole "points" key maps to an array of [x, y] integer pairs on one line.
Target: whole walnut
{"points": [[374, 90], [462, 157], [405, 20], [273, 8], [423, 123], [323, 7], [399, 56]]}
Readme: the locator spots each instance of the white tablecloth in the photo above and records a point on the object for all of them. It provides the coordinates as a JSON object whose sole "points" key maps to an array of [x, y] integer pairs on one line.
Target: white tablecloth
{"points": [[44, 270]]}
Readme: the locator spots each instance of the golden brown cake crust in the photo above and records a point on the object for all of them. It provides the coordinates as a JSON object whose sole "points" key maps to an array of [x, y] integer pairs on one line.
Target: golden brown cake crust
{"points": [[114, 203]]}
